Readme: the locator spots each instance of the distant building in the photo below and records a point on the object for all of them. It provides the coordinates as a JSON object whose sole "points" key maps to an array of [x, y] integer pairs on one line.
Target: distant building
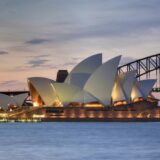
{"points": [[61, 75]]}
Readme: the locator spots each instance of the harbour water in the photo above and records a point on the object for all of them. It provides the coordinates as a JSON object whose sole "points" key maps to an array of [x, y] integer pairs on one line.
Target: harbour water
{"points": [[80, 141]]}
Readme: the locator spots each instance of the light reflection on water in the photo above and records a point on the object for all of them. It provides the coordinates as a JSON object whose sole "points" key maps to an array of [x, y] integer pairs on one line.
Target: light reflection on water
{"points": [[79, 141]]}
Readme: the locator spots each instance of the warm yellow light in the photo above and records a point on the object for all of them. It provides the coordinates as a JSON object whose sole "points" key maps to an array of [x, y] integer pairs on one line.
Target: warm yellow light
{"points": [[57, 103], [73, 114], [133, 94], [139, 115], [101, 115], [138, 99], [91, 114], [114, 92], [35, 104], [82, 115], [129, 115], [3, 114], [93, 105], [119, 103], [120, 115], [38, 115]]}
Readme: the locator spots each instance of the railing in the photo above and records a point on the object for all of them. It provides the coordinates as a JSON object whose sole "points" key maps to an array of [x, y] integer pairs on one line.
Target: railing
{"points": [[144, 67]]}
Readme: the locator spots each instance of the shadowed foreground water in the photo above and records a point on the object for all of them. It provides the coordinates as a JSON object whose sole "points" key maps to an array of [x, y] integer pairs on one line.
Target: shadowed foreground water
{"points": [[80, 141]]}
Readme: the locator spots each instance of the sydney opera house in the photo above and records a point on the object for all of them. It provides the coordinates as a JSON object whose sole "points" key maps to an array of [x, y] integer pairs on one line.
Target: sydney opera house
{"points": [[92, 89], [91, 83]]}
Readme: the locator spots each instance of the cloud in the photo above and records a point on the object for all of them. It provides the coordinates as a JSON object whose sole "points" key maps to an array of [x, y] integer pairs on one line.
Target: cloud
{"points": [[53, 67], [40, 56], [10, 82], [108, 26], [35, 67], [104, 19], [124, 60], [77, 58], [37, 41], [37, 62], [69, 64], [3, 52], [75, 61]]}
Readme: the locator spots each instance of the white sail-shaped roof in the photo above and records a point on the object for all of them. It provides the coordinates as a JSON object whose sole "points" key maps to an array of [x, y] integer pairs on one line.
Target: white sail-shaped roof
{"points": [[66, 92], [101, 82], [41, 88], [127, 82], [135, 93], [142, 88], [84, 97], [20, 98], [117, 92], [146, 86], [79, 79], [88, 65], [6, 100]]}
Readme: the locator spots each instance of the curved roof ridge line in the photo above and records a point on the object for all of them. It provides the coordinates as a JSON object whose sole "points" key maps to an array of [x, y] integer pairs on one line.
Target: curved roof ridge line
{"points": [[88, 65], [104, 76], [145, 86], [127, 82]]}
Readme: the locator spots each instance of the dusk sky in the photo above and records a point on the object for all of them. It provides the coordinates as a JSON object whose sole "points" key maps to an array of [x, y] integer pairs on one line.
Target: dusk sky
{"points": [[38, 37]]}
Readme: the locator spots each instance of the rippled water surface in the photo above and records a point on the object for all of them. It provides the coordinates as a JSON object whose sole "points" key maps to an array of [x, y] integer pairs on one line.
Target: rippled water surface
{"points": [[80, 141]]}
